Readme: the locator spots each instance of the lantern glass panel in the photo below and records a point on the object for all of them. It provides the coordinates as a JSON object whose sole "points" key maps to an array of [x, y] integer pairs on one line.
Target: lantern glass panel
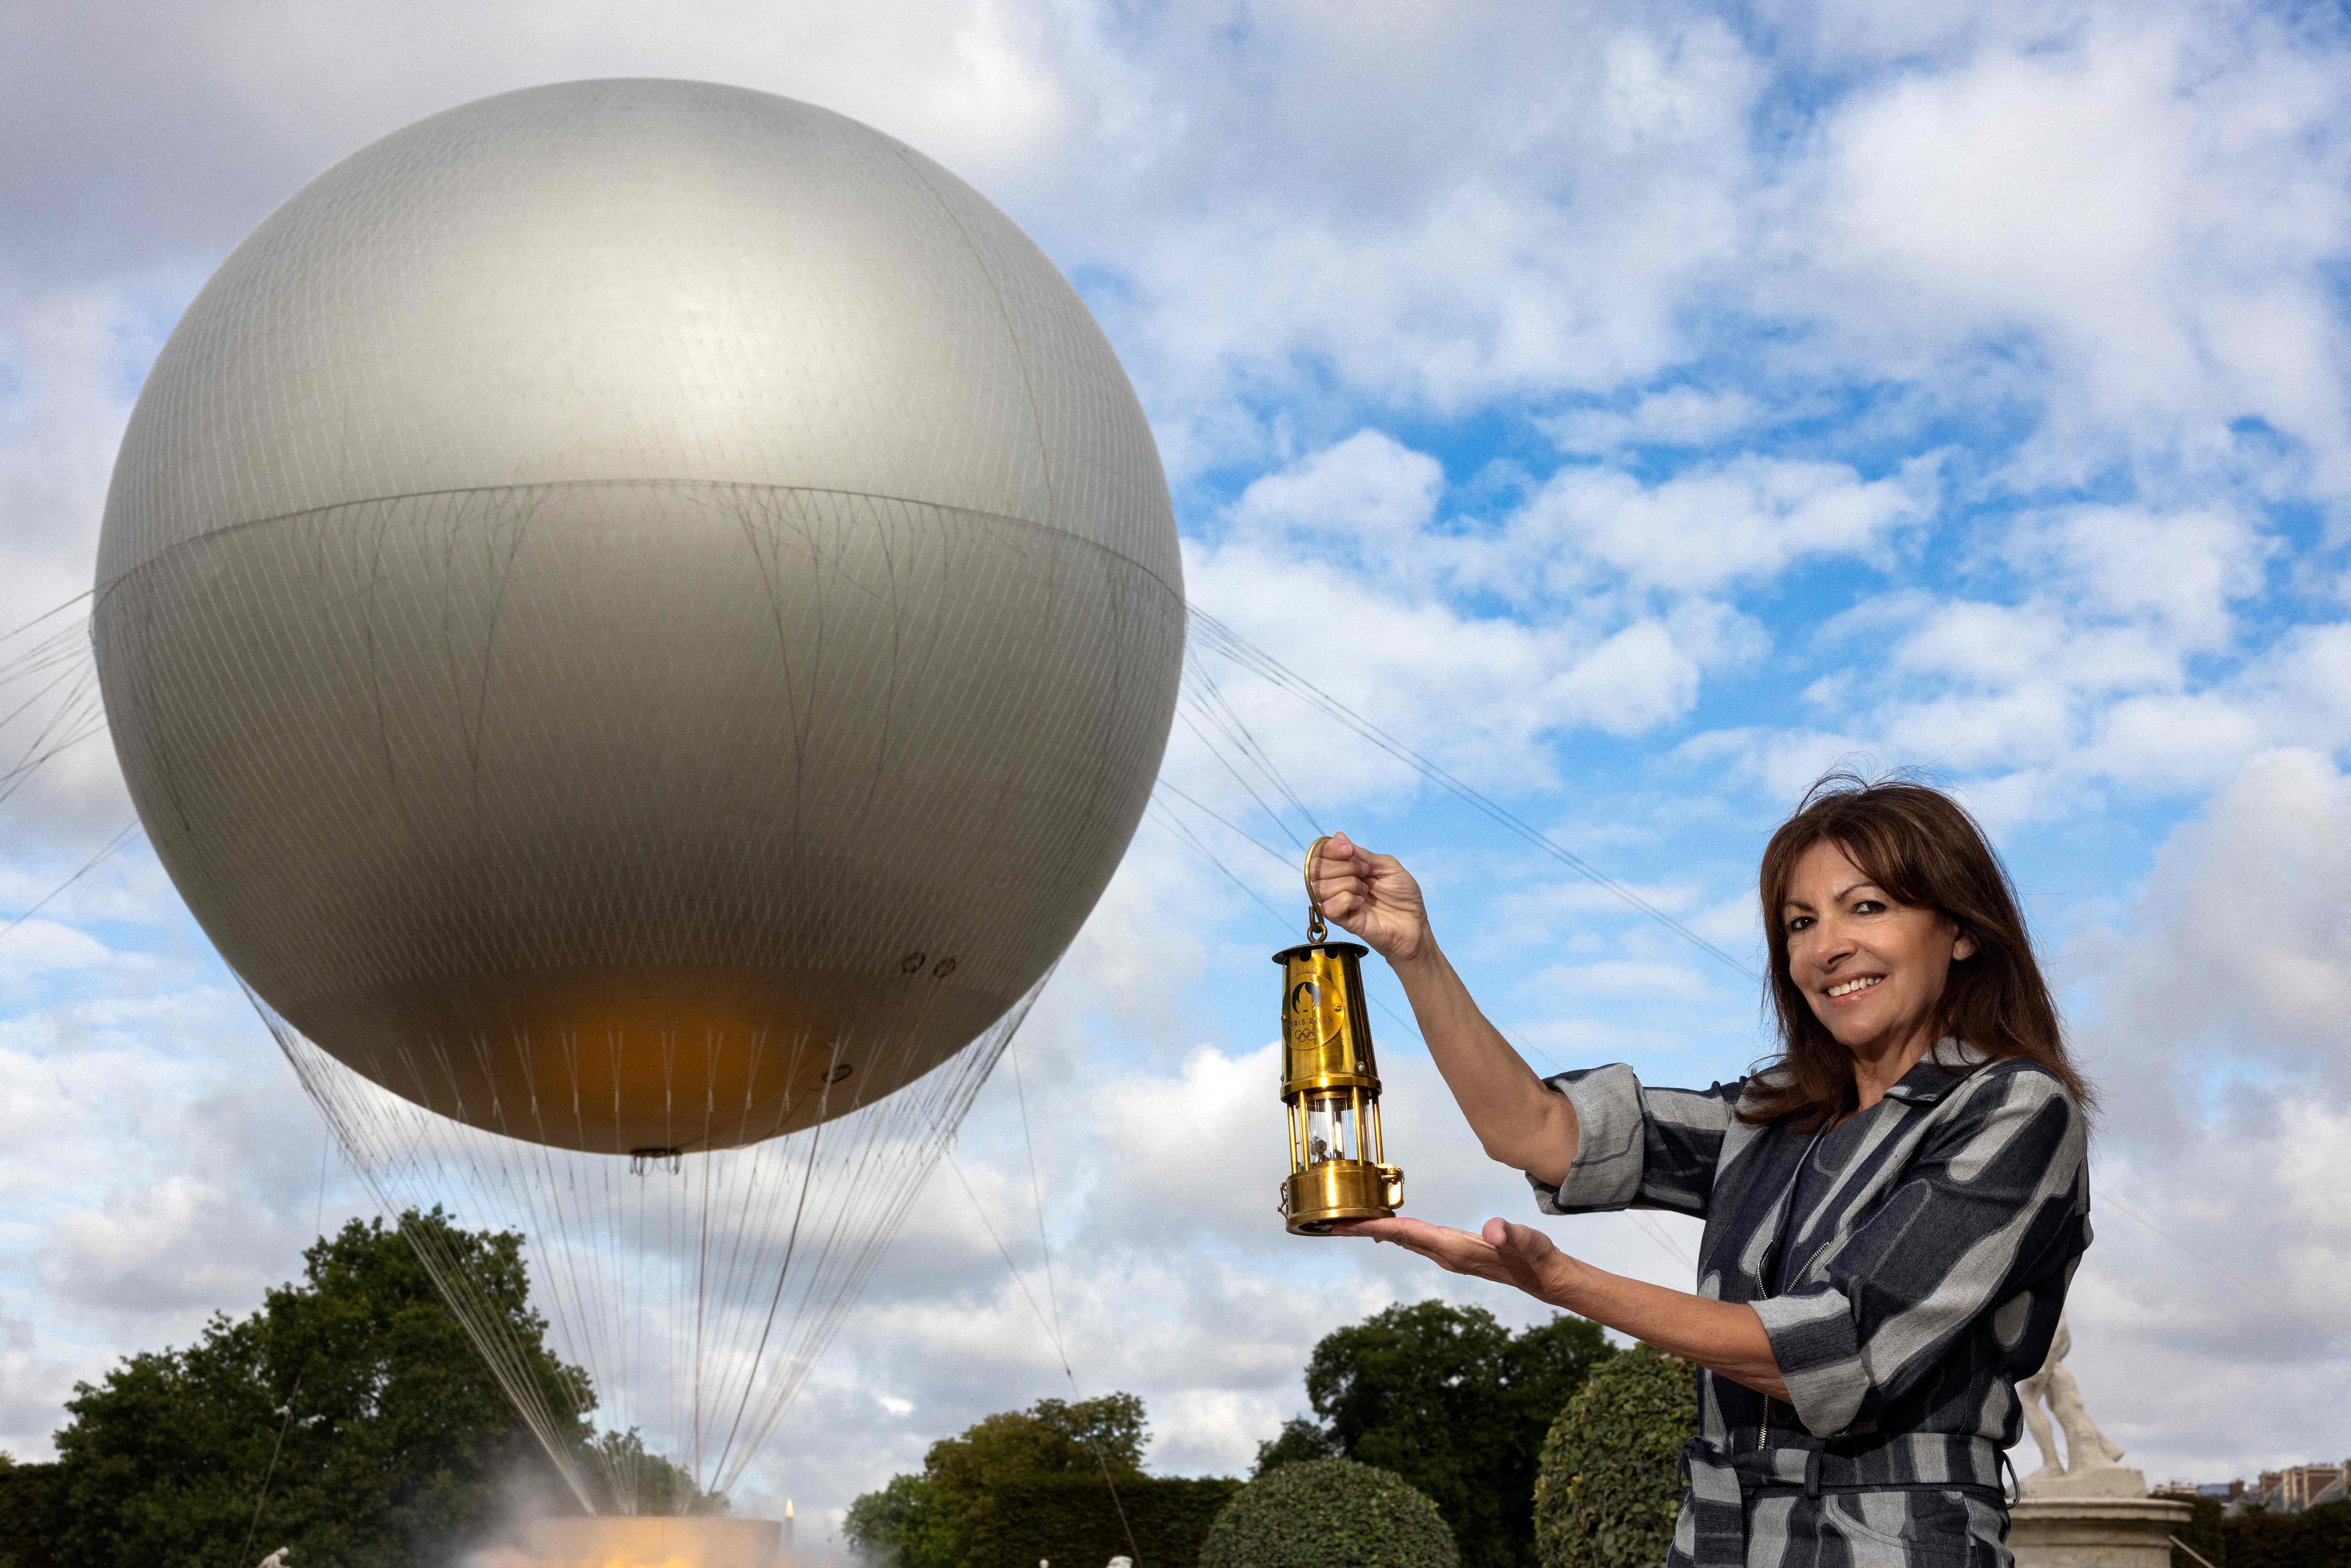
{"points": [[1332, 1130]]}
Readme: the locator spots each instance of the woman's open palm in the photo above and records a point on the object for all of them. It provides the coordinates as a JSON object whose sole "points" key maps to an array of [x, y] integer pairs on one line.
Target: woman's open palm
{"points": [[1371, 896]]}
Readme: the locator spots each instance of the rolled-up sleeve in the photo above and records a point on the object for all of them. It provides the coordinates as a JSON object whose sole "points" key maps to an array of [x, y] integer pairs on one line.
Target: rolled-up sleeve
{"points": [[1997, 1197], [1636, 1147]]}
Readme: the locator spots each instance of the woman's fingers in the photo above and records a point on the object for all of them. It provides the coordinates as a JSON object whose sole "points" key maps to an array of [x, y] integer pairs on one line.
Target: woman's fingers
{"points": [[1343, 898], [1342, 903], [1327, 887], [1509, 1254], [1336, 861], [1344, 876], [1370, 895], [1524, 1239], [1339, 865], [1418, 1235], [1457, 1250], [1397, 1228], [1522, 1246]]}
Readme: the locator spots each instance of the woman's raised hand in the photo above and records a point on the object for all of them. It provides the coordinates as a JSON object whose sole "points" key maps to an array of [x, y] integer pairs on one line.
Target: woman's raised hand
{"points": [[1373, 897]]}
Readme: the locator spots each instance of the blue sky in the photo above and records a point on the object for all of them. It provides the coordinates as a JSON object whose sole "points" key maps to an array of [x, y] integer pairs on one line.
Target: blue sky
{"points": [[1636, 410]]}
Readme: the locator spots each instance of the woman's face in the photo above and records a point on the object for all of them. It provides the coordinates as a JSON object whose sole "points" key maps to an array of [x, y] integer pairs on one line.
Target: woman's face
{"points": [[1872, 969]]}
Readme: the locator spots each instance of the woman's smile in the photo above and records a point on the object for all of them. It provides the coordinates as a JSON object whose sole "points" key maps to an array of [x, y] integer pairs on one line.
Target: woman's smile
{"points": [[1872, 968]]}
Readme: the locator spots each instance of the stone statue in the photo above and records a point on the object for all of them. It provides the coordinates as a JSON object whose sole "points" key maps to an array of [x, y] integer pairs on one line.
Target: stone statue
{"points": [[2092, 1466]]}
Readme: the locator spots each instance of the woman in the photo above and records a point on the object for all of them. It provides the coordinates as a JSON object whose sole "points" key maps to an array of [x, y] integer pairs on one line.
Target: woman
{"points": [[1893, 1206]]}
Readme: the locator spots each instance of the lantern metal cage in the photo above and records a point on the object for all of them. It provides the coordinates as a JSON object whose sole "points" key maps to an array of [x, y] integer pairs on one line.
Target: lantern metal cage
{"points": [[1330, 1088]]}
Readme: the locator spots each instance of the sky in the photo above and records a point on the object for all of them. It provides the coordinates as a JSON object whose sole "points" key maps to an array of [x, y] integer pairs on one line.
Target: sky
{"points": [[1637, 411]]}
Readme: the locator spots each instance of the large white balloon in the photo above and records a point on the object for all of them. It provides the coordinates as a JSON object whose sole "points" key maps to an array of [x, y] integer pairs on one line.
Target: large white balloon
{"points": [[638, 614]]}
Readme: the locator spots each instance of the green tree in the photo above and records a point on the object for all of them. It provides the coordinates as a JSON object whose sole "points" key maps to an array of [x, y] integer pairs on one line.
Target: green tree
{"points": [[930, 1520], [644, 1482], [1051, 1438], [1610, 1484], [900, 1526], [1453, 1402], [1299, 1440], [1328, 1513], [396, 1438]]}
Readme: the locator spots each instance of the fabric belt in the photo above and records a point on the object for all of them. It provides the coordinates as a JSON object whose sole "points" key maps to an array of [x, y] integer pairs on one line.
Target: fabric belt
{"points": [[1720, 1481]]}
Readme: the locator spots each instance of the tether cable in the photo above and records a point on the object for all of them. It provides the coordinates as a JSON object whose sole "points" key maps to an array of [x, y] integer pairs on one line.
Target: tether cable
{"points": [[258, 1503], [112, 844], [1061, 1350]]}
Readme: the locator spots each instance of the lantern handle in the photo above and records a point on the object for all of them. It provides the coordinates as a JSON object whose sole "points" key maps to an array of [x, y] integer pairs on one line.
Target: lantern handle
{"points": [[1315, 929]]}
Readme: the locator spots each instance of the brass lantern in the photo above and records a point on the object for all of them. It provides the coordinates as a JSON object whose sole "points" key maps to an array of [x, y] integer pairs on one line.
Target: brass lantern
{"points": [[1330, 1083]]}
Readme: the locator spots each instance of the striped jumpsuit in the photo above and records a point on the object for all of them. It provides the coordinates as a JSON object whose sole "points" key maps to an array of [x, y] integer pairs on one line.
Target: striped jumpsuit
{"points": [[1908, 1266]]}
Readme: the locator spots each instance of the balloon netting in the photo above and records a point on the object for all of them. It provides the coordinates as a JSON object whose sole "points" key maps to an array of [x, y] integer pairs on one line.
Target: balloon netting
{"points": [[693, 1291]]}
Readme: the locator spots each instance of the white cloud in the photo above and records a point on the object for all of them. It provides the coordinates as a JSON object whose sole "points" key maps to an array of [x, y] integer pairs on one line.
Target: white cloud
{"points": [[2215, 1035], [41, 945], [2061, 175], [2183, 573], [2241, 951], [1367, 502], [2145, 202], [1623, 978], [1676, 416], [1701, 530], [161, 1166], [63, 402], [1340, 564], [2119, 645], [1331, 200], [141, 139]]}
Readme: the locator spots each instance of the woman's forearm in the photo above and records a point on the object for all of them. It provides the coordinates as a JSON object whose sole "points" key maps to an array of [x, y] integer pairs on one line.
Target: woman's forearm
{"points": [[1519, 1120], [1726, 1336]]}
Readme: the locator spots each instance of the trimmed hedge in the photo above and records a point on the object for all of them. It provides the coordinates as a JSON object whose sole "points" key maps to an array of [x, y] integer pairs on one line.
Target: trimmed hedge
{"points": [[1608, 1486], [2201, 1532], [1070, 1520], [2320, 1538], [1328, 1513], [29, 1497]]}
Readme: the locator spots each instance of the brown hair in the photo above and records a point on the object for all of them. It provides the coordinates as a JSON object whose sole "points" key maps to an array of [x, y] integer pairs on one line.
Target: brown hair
{"points": [[1924, 850]]}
